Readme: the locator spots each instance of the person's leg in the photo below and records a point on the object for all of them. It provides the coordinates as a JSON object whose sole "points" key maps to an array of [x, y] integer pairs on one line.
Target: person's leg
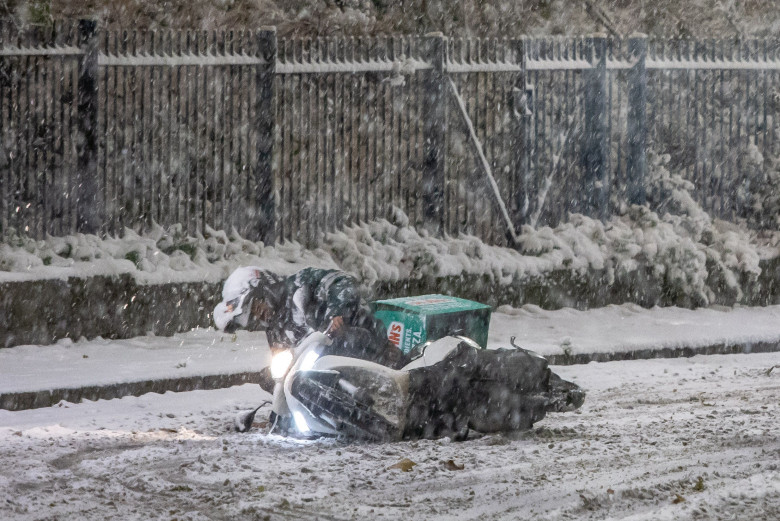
{"points": [[383, 351], [353, 342], [365, 344]]}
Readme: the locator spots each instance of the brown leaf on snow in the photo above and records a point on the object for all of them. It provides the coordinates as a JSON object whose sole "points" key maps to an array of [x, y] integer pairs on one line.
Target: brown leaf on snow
{"points": [[404, 465], [678, 499], [451, 465]]}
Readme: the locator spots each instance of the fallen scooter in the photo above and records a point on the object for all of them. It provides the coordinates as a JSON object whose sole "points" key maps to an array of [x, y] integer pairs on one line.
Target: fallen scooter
{"points": [[451, 386]]}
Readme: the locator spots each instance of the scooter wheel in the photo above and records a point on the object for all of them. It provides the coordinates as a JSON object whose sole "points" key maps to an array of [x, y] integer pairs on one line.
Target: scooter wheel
{"points": [[340, 409]]}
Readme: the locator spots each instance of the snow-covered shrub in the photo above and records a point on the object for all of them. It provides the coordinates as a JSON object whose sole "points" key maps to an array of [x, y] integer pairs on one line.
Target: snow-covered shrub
{"points": [[758, 193], [158, 255], [671, 243], [389, 250], [729, 248], [691, 256]]}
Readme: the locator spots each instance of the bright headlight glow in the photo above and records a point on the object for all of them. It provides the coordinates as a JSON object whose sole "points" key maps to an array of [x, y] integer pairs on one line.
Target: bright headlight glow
{"points": [[300, 422], [280, 363]]}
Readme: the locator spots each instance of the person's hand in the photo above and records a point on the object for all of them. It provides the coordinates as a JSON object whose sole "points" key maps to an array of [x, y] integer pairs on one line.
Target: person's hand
{"points": [[336, 326]]}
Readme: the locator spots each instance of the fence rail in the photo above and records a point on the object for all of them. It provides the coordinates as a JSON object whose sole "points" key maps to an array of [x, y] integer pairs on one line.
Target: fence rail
{"points": [[59, 50], [290, 139]]}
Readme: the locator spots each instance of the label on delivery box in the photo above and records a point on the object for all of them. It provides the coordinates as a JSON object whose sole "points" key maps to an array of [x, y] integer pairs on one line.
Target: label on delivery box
{"points": [[395, 333], [403, 329]]}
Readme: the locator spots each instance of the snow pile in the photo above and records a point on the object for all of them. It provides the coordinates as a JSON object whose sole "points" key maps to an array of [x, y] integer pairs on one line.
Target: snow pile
{"points": [[671, 242], [158, 256], [389, 251], [683, 249], [679, 246]]}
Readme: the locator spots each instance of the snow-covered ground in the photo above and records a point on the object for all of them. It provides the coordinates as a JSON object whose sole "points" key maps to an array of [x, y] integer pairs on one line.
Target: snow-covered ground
{"points": [[693, 438], [206, 351]]}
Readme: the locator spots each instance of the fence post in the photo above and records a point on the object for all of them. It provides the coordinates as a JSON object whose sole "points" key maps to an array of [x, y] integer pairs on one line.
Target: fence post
{"points": [[89, 207], [636, 162], [434, 115], [595, 150], [522, 101], [5, 80], [265, 201]]}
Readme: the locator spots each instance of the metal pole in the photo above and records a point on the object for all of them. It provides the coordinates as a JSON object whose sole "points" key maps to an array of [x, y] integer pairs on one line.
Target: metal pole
{"points": [[90, 208], [636, 166], [596, 147], [522, 100], [434, 115], [265, 112]]}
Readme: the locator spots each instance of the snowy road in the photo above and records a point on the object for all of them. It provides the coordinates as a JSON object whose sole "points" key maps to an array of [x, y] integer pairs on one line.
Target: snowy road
{"points": [[656, 439]]}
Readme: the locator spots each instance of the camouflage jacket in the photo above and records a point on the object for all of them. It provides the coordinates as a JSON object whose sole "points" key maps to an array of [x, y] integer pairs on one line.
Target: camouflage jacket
{"points": [[308, 301]]}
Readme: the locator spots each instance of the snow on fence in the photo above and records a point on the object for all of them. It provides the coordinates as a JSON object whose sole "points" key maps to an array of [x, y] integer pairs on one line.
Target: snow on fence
{"points": [[289, 139]]}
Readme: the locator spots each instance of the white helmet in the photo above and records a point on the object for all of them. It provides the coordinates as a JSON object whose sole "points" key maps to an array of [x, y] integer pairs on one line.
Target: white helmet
{"points": [[235, 291]]}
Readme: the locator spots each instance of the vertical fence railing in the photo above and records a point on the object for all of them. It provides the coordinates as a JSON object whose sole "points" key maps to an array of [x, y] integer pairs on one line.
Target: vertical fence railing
{"points": [[265, 123], [556, 125], [488, 75], [350, 133], [291, 139], [188, 135], [712, 105], [521, 109], [38, 129]]}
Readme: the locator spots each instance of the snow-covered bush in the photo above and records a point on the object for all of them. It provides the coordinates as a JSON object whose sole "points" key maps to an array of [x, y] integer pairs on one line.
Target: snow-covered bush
{"points": [[158, 255], [730, 249], [758, 193], [670, 243], [389, 250], [683, 250]]}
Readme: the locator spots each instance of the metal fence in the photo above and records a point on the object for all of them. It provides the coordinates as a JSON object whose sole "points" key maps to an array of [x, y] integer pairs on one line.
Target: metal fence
{"points": [[290, 139]]}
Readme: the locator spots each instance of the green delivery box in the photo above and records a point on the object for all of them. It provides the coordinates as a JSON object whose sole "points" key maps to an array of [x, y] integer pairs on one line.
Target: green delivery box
{"points": [[413, 320]]}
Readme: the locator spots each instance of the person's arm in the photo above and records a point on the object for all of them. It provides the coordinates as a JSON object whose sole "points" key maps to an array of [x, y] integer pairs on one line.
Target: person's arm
{"points": [[277, 339]]}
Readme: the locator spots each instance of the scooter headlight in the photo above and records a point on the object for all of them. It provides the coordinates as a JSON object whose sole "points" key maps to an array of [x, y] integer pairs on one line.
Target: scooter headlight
{"points": [[280, 364]]}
